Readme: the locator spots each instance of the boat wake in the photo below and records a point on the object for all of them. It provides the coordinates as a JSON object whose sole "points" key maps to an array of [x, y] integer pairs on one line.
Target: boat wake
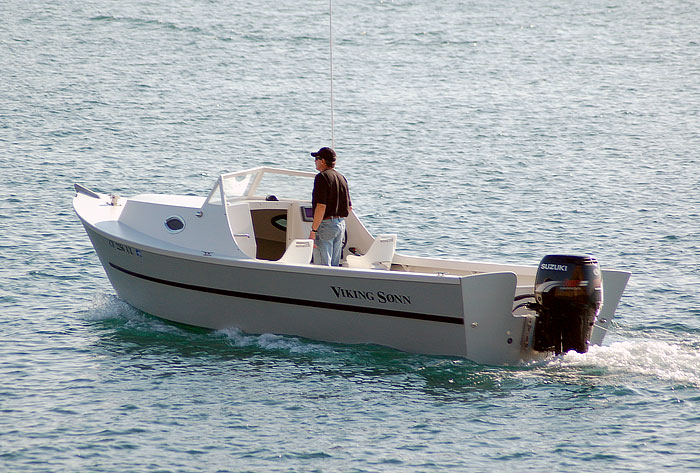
{"points": [[109, 308], [269, 341], [671, 361], [668, 361]]}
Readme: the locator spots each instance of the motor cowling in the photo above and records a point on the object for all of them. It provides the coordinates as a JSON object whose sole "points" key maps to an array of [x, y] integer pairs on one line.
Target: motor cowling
{"points": [[569, 295]]}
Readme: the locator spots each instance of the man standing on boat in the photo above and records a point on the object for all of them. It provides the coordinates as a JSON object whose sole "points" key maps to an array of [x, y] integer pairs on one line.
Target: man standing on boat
{"points": [[331, 204]]}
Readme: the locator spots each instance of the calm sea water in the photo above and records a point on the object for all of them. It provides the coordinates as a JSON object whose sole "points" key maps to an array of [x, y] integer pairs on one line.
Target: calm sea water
{"points": [[491, 130]]}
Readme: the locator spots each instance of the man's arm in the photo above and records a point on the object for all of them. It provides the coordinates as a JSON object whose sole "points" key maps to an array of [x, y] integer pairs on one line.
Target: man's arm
{"points": [[319, 212]]}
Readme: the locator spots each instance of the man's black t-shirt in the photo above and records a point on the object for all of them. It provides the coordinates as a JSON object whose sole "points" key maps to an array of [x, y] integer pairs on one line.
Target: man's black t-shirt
{"points": [[331, 188]]}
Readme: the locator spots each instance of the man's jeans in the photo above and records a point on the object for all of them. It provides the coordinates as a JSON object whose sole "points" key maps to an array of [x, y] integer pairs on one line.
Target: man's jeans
{"points": [[329, 242]]}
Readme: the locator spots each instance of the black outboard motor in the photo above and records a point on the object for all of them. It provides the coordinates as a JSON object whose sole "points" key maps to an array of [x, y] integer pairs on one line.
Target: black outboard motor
{"points": [[569, 295]]}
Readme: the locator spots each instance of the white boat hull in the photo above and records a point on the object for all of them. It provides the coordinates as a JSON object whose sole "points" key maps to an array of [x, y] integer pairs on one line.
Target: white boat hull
{"points": [[467, 316]]}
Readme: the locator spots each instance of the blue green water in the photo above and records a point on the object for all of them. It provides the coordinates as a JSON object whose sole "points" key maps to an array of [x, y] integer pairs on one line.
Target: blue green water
{"points": [[490, 130]]}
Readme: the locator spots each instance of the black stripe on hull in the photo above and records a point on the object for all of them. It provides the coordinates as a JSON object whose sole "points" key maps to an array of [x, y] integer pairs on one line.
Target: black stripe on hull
{"points": [[299, 302]]}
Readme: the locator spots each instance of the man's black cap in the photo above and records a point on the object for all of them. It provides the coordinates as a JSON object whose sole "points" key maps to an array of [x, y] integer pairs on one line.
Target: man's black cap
{"points": [[327, 154]]}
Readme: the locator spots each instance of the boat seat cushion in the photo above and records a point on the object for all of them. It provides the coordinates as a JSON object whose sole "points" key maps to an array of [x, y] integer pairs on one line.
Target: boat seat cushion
{"points": [[379, 255], [298, 252]]}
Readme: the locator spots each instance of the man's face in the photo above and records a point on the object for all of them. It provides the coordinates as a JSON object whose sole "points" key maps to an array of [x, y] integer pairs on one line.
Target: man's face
{"points": [[320, 164]]}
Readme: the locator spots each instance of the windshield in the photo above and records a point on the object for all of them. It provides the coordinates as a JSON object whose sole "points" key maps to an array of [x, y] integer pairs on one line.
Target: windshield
{"points": [[237, 185], [261, 183], [285, 186]]}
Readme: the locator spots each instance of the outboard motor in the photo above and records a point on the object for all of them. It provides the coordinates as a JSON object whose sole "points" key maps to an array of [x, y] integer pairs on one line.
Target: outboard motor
{"points": [[569, 295]]}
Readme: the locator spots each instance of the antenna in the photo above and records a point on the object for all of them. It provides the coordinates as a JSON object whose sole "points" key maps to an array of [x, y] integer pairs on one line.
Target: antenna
{"points": [[330, 36]]}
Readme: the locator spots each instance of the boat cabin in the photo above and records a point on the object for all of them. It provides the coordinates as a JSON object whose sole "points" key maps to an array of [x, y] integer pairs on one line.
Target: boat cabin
{"points": [[267, 210]]}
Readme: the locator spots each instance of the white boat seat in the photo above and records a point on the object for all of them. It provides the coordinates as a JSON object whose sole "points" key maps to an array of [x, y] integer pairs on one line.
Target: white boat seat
{"points": [[379, 255], [298, 252]]}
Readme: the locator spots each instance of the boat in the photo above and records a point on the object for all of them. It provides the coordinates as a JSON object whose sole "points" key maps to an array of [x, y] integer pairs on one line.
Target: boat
{"points": [[240, 258]]}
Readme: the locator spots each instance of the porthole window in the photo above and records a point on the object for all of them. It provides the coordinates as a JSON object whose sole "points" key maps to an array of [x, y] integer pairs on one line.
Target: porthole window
{"points": [[174, 224]]}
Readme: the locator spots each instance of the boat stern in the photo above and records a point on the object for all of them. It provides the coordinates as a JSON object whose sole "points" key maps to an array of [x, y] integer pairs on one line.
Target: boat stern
{"points": [[494, 335]]}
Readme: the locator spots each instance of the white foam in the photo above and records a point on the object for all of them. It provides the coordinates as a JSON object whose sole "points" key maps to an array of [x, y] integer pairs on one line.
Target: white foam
{"points": [[109, 307], [269, 341], [664, 360]]}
